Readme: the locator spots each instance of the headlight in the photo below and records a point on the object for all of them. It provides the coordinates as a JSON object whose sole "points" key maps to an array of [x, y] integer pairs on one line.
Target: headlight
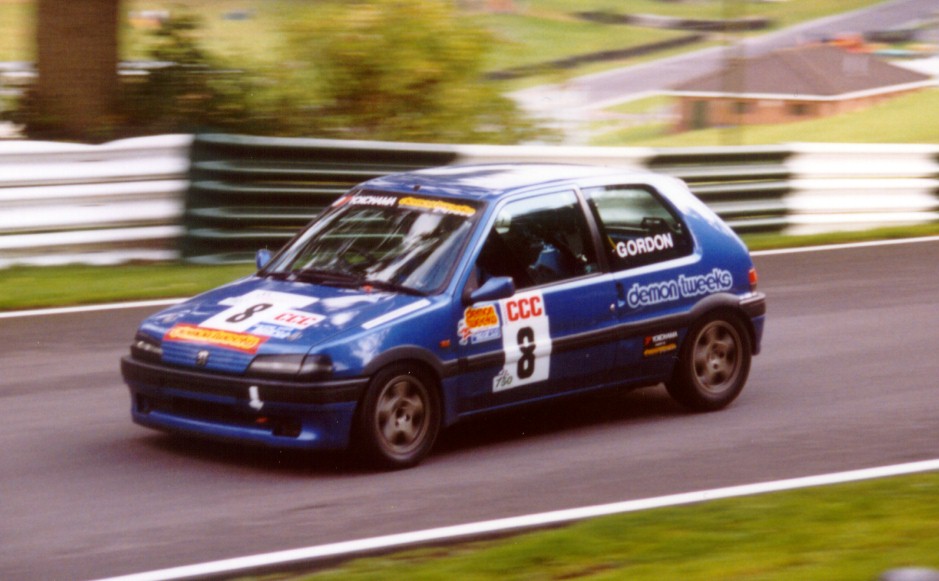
{"points": [[146, 348], [291, 366]]}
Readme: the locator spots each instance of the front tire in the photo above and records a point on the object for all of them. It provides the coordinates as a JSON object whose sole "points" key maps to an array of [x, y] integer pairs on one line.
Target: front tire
{"points": [[399, 418], [713, 365]]}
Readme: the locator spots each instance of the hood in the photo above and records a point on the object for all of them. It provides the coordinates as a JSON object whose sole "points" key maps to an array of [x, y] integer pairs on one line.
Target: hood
{"points": [[232, 324]]}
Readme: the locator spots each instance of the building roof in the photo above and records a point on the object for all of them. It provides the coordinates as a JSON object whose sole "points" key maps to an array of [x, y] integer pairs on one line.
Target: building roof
{"points": [[809, 71]]}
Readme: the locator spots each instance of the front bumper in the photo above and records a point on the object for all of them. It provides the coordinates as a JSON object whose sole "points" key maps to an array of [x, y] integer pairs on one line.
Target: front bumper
{"points": [[280, 414]]}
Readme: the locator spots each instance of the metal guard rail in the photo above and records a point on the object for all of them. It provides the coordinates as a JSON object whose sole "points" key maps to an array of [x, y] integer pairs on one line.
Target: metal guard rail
{"points": [[65, 203], [249, 192], [217, 198]]}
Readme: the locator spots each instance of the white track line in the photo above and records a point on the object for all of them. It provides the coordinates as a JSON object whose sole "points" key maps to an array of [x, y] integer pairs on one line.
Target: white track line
{"points": [[846, 246], [167, 302], [403, 540], [89, 308]]}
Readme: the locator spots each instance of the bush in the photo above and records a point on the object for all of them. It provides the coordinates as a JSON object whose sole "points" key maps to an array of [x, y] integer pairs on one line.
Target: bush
{"points": [[367, 69], [398, 70]]}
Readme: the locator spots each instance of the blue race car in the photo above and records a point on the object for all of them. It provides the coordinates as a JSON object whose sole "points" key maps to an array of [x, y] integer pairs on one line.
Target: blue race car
{"points": [[422, 298]]}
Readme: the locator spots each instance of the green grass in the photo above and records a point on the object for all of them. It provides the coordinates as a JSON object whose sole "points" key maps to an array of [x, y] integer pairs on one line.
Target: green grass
{"points": [[16, 41], [253, 42], [528, 40], [894, 121], [848, 532], [541, 27], [782, 13], [37, 287], [536, 31], [774, 241], [40, 287], [845, 532]]}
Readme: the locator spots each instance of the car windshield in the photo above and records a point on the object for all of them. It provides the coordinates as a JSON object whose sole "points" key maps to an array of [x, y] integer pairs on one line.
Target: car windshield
{"points": [[401, 243]]}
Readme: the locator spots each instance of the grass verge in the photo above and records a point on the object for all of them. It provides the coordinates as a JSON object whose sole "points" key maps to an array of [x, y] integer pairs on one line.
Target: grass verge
{"points": [[39, 287], [530, 31], [775, 241], [55, 286], [851, 531], [887, 122]]}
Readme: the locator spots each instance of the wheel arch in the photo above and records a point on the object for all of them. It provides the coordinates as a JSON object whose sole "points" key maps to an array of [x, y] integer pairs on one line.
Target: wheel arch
{"points": [[724, 304], [694, 386], [419, 357], [407, 354]]}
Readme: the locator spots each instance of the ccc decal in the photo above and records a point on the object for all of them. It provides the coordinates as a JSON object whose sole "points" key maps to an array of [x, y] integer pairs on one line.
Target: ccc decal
{"points": [[524, 308], [526, 341]]}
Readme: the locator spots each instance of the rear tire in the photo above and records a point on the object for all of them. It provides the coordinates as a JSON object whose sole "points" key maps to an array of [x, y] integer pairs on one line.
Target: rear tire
{"points": [[399, 418], [713, 365]]}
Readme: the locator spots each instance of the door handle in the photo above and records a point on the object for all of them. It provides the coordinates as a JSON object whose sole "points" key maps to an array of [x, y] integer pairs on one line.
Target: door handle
{"points": [[620, 295]]}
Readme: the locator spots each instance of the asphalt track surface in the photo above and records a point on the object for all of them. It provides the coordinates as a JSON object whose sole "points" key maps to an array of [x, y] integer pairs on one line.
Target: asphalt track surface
{"points": [[847, 380]]}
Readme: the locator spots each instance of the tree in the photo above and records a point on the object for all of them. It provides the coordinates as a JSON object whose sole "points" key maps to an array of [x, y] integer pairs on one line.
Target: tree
{"points": [[192, 89], [392, 70], [75, 96], [401, 70]]}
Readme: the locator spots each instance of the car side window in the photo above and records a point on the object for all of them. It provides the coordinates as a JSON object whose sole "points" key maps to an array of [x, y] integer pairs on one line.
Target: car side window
{"points": [[538, 240], [637, 227]]}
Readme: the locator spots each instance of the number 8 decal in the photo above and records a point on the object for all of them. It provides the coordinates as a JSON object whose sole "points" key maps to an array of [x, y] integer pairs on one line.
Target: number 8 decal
{"points": [[526, 341], [248, 313], [526, 345], [254, 308]]}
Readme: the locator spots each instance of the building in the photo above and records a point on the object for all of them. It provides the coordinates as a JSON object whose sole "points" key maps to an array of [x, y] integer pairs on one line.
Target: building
{"points": [[794, 84]]}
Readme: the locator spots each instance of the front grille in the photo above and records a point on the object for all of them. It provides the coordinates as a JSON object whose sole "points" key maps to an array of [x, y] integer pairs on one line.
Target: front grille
{"points": [[186, 355]]}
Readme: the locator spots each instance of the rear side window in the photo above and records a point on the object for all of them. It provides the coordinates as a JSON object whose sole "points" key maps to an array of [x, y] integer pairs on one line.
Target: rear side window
{"points": [[637, 227]]}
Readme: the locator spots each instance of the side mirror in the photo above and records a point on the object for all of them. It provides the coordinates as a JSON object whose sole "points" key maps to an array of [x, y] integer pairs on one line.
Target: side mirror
{"points": [[262, 258], [499, 287]]}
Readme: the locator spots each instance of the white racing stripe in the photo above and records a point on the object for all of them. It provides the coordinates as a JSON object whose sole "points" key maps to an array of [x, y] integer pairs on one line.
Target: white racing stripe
{"points": [[396, 314], [403, 540]]}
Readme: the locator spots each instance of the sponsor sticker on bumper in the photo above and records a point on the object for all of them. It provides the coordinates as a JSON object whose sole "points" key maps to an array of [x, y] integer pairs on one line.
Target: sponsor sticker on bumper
{"points": [[227, 339]]}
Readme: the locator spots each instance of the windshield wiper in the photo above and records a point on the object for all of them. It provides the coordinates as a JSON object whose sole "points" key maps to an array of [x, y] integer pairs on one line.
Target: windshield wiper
{"points": [[327, 277], [391, 286], [333, 278]]}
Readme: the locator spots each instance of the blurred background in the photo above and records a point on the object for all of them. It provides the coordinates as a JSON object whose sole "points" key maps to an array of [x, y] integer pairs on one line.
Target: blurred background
{"points": [[702, 72], [736, 97], [175, 138]]}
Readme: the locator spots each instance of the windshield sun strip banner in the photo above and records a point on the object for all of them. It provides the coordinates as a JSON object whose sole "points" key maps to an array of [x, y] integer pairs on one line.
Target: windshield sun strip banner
{"points": [[381, 200], [439, 206]]}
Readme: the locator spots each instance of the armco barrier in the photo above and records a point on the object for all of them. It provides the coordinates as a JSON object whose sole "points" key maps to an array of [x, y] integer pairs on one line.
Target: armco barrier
{"points": [[142, 199], [860, 186], [251, 192], [746, 186], [62, 203]]}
